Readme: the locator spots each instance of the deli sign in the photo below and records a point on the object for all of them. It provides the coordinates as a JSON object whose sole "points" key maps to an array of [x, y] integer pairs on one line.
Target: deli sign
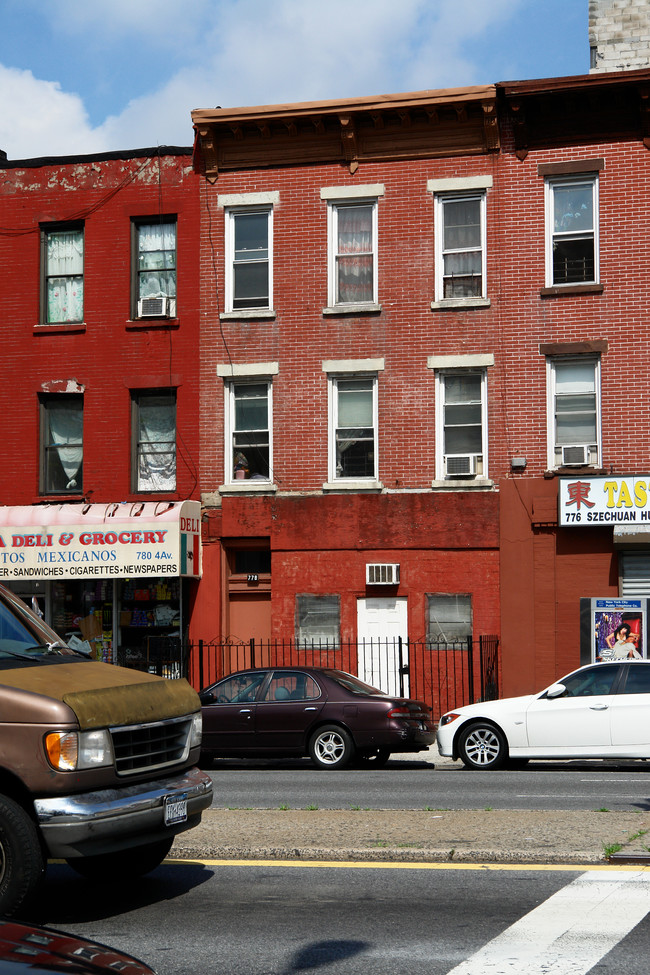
{"points": [[586, 502], [100, 541]]}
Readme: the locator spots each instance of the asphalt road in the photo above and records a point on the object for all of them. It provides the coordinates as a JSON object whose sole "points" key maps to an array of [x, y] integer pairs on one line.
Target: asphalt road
{"points": [[275, 919], [417, 784]]}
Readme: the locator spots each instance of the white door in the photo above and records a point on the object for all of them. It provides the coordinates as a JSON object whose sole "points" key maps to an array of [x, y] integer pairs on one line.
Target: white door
{"points": [[381, 621]]}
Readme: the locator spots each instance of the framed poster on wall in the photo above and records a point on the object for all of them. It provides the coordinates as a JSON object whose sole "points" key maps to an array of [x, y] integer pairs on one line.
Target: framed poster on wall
{"points": [[613, 629]]}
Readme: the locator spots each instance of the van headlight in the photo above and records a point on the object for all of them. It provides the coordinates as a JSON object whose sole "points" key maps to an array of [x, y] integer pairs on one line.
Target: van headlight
{"points": [[70, 751], [196, 732]]}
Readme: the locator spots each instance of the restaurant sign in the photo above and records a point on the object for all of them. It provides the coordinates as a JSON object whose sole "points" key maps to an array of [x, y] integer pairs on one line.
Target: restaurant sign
{"points": [[100, 541], [589, 501]]}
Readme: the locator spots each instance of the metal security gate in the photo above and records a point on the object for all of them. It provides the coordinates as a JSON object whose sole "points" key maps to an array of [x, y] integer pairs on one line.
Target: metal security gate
{"points": [[443, 675]]}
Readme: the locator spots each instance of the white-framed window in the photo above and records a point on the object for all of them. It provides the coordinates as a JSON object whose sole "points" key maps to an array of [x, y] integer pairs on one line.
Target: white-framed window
{"points": [[249, 427], [249, 258], [61, 444], [352, 230], [154, 440], [62, 274], [460, 245], [353, 427], [461, 423], [154, 267], [573, 411], [572, 230]]}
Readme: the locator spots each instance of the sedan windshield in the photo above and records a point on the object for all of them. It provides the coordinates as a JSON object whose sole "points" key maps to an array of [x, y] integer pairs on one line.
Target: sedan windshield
{"points": [[351, 683]]}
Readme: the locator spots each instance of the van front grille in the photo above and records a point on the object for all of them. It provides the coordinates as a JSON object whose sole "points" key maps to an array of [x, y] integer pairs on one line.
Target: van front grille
{"points": [[143, 747]]}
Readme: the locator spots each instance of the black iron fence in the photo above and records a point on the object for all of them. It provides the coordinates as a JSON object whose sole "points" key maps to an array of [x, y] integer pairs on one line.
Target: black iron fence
{"points": [[443, 675]]}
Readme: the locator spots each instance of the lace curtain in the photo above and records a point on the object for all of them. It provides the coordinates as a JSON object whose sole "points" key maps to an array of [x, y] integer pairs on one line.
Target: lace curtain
{"points": [[354, 254], [65, 283], [157, 260], [157, 445], [66, 439]]}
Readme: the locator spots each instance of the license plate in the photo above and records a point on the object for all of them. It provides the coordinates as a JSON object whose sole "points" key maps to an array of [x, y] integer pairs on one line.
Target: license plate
{"points": [[175, 809]]}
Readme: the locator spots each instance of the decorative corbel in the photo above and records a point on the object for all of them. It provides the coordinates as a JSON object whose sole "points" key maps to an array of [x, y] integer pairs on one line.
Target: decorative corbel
{"points": [[490, 126], [644, 93], [208, 150], [405, 118], [291, 128], [519, 129], [378, 119], [349, 142]]}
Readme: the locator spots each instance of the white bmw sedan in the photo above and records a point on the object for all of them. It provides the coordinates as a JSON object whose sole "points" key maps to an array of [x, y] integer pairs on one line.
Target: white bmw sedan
{"points": [[599, 711]]}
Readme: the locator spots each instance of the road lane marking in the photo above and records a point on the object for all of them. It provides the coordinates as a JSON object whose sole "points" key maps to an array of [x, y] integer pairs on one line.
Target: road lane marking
{"points": [[579, 868], [570, 932]]}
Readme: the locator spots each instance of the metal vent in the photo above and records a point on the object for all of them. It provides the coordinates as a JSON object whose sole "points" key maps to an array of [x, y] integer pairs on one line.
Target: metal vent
{"points": [[460, 465], [153, 307], [382, 573], [578, 455], [144, 747]]}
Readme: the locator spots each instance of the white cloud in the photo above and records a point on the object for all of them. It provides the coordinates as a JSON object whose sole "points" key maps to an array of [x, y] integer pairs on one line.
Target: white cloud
{"points": [[239, 52], [39, 119]]}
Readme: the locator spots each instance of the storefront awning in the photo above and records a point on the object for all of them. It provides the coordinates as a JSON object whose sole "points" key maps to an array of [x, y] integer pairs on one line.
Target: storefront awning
{"points": [[110, 541]]}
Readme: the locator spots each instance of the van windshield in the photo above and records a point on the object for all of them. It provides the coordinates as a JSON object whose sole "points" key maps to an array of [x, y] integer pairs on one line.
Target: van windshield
{"points": [[23, 634]]}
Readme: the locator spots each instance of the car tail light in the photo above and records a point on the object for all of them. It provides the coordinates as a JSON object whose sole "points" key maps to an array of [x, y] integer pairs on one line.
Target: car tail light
{"points": [[404, 711]]}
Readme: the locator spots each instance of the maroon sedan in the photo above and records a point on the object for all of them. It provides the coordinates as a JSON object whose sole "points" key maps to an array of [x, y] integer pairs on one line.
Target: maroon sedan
{"points": [[327, 714]]}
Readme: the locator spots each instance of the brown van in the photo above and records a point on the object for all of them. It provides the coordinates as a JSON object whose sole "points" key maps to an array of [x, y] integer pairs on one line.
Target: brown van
{"points": [[97, 762]]}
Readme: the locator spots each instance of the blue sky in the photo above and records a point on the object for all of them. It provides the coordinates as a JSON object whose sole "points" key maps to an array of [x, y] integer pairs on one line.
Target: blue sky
{"points": [[81, 76]]}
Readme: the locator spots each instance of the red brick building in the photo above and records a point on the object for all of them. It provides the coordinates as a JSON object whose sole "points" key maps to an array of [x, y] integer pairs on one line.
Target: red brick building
{"points": [[99, 521], [417, 326]]}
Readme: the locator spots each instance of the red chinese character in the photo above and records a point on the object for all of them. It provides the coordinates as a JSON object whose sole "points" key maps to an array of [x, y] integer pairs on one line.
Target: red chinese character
{"points": [[578, 493]]}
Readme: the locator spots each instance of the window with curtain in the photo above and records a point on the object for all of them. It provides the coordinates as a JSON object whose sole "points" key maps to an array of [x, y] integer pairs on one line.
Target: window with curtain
{"points": [[461, 404], [318, 620], [460, 246], [61, 444], [62, 250], [154, 426], [353, 256], [249, 258], [250, 431], [354, 451], [572, 230], [155, 254], [449, 618], [574, 414]]}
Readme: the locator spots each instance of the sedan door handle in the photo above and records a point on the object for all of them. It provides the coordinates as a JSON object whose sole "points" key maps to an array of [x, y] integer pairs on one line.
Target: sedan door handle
{"points": [[311, 709], [245, 711], [598, 707]]}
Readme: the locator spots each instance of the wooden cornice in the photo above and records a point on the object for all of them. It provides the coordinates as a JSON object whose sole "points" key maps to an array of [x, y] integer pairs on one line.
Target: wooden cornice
{"points": [[578, 109], [457, 121]]}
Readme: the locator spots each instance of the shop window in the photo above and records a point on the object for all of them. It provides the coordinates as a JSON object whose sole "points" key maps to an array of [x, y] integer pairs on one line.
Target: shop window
{"points": [[249, 421], [353, 432], [462, 434], [62, 274], [249, 258], [572, 230], [318, 620], [460, 246], [574, 411], [154, 267], [449, 618], [61, 444], [154, 446]]}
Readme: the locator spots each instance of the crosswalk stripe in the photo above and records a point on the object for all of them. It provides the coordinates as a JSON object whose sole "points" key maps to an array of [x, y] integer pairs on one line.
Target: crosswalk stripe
{"points": [[570, 932]]}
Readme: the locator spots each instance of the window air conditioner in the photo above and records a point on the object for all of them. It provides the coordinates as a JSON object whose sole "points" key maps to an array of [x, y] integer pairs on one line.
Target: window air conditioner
{"points": [[158, 307], [460, 465], [382, 573], [575, 455]]}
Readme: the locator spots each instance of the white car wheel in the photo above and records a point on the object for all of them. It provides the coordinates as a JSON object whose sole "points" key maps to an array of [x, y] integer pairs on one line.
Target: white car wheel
{"points": [[483, 746]]}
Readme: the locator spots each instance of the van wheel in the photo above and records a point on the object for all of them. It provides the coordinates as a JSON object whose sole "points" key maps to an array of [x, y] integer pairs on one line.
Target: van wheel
{"points": [[110, 867], [22, 864]]}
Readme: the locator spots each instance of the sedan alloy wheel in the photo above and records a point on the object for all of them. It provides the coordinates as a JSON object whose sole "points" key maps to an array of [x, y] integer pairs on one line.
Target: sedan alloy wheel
{"points": [[331, 747], [483, 746]]}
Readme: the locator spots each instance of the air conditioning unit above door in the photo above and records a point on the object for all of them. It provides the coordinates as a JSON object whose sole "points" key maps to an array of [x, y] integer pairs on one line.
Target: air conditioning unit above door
{"points": [[577, 455], [382, 573], [460, 465], [158, 307]]}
